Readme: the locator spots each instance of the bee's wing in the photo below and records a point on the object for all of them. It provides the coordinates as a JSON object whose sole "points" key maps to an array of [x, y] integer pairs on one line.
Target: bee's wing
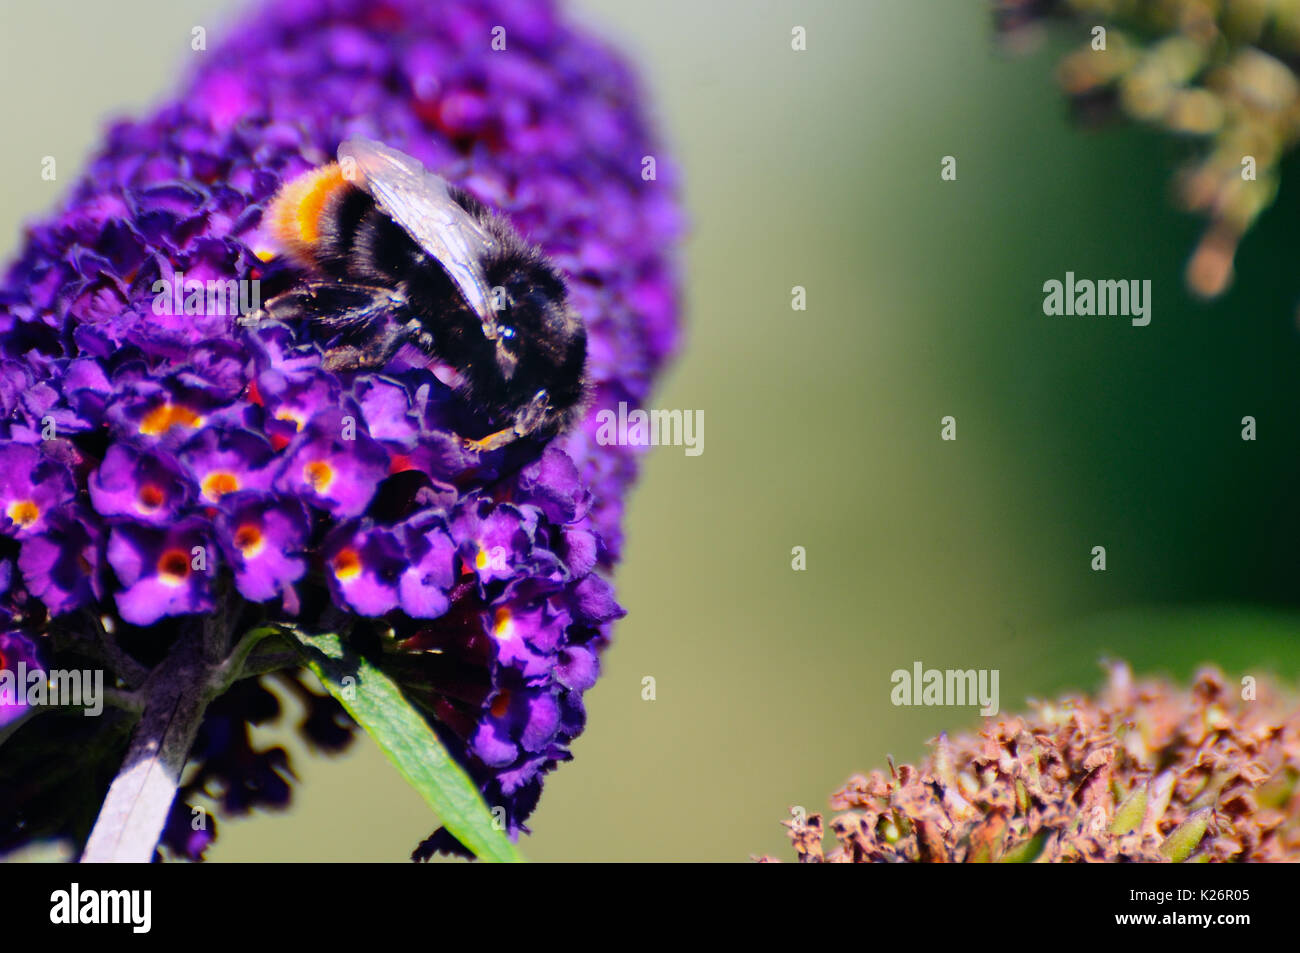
{"points": [[420, 202]]}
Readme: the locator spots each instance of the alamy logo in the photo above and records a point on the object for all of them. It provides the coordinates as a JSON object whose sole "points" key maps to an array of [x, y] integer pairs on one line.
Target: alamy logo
{"points": [[946, 687], [133, 907], [70, 688], [214, 296], [1083, 296], [655, 428]]}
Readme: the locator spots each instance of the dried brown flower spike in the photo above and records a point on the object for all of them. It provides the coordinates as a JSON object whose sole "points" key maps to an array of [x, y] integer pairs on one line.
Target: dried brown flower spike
{"points": [[1147, 772]]}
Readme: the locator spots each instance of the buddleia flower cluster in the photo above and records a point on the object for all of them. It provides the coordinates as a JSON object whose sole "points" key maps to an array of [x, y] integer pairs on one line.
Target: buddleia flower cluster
{"points": [[1221, 73], [1147, 772], [170, 470]]}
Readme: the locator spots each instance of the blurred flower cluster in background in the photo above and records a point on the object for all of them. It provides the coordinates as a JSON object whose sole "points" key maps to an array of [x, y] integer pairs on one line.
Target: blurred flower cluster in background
{"points": [[1222, 72]]}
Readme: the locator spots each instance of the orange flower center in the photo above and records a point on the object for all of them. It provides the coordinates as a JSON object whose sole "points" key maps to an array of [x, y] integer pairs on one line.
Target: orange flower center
{"points": [[151, 497], [295, 418], [174, 566], [218, 483], [249, 539], [24, 512], [501, 624], [166, 416], [319, 474], [347, 565]]}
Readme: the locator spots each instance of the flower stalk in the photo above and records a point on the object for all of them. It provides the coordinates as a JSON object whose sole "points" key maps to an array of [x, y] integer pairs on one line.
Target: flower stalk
{"points": [[135, 811], [175, 697]]}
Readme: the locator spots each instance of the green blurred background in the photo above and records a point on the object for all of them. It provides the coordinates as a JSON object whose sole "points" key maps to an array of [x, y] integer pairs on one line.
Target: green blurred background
{"points": [[821, 169]]}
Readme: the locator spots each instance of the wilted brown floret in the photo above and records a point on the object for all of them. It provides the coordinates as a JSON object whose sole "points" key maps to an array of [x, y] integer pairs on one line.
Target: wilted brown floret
{"points": [[1146, 772]]}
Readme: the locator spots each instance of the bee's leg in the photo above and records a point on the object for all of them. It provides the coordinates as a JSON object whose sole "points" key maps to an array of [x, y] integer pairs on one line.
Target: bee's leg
{"points": [[337, 306], [492, 441], [375, 351], [527, 419], [532, 414], [363, 315], [346, 357]]}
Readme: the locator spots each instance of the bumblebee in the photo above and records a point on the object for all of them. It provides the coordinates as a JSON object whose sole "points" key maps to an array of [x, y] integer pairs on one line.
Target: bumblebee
{"points": [[401, 258]]}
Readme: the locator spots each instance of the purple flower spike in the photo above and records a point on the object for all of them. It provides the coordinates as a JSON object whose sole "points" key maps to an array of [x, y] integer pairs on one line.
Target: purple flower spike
{"points": [[263, 540], [165, 466], [386, 406], [334, 465], [363, 568], [578, 668], [496, 542], [146, 486], [552, 484], [527, 636], [31, 486], [520, 719], [292, 398], [61, 565], [17, 654], [430, 571], [168, 412], [163, 571], [227, 461]]}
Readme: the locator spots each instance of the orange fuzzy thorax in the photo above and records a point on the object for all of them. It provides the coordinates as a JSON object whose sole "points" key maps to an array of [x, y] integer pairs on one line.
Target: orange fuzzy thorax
{"points": [[294, 215]]}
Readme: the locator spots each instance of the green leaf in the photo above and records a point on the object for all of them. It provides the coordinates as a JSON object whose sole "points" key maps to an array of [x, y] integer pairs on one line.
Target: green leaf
{"points": [[378, 705]]}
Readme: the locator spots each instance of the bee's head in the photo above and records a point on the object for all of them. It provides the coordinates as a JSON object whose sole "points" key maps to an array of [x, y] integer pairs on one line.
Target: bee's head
{"points": [[539, 342]]}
